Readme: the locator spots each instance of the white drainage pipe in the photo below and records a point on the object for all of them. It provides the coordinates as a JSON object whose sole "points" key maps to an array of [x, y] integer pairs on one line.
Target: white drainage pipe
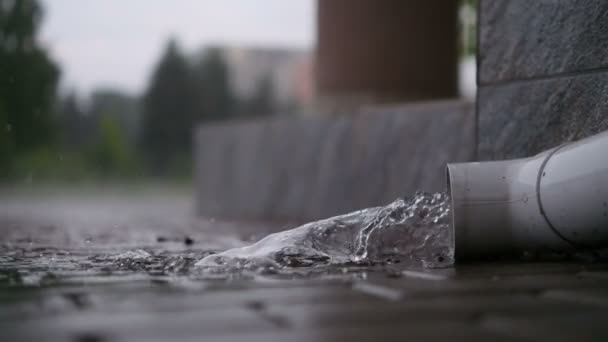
{"points": [[554, 201]]}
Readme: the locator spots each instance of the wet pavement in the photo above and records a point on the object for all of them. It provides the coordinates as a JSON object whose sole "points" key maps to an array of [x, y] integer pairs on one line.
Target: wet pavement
{"points": [[117, 267]]}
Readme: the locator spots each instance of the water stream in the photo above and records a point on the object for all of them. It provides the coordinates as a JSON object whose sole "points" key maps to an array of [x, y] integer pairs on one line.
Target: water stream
{"points": [[412, 232], [83, 243]]}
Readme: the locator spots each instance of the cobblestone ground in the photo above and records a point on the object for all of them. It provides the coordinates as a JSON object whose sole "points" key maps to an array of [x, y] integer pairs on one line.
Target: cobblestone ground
{"points": [[61, 280]]}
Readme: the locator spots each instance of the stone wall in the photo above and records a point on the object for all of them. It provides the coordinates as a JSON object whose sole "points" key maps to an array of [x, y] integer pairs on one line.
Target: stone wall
{"points": [[543, 74], [300, 169]]}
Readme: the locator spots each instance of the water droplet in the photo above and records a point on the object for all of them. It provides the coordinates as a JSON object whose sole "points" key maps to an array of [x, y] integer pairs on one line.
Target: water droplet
{"points": [[9, 127]]}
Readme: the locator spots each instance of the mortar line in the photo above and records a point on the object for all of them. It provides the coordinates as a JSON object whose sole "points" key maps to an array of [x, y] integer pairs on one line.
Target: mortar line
{"points": [[598, 70]]}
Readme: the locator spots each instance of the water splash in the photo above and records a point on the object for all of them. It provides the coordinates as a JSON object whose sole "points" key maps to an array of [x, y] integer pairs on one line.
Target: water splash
{"points": [[411, 231]]}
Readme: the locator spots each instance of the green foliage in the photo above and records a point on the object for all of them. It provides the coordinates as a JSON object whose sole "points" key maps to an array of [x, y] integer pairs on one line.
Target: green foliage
{"points": [[122, 108], [93, 144], [109, 158], [168, 110], [181, 95], [75, 130], [111, 155], [468, 27], [6, 143], [215, 99], [50, 164], [28, 80]]}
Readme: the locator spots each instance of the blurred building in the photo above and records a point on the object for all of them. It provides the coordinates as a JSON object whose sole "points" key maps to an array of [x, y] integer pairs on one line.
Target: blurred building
{"points": [[289, 71]]}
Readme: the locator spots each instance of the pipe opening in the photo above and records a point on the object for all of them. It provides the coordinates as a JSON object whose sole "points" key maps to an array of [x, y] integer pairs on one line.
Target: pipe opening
{"points": [[452, 220]]}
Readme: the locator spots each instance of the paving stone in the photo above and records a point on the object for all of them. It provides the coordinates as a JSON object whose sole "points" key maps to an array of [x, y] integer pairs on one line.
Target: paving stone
{"points": [[421, 332], [317, 312], [489, 269], [464, 309], [594, 274], [142, 324], [490, 284], [520, 39], [379, 291], [170, 299], [591, 297], [210, 300], [560, 326]]}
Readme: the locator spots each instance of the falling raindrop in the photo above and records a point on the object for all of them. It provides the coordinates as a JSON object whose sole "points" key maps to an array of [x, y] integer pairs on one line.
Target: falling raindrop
{"points": [[9, 127]]}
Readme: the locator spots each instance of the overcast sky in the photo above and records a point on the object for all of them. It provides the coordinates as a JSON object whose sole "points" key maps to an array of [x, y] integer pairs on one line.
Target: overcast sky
{"points": [[116, 42]]}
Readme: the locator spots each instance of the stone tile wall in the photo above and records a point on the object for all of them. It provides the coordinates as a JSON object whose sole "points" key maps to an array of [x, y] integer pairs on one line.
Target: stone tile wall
{"points": [[543, 74]]}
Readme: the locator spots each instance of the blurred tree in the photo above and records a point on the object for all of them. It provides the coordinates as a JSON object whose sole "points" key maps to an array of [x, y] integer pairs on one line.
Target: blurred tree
{"points": [[124, 109], [168, 110], [111, 154], [215, 95], [28, 79], [262, 101], [80, 124], [6, 142], [73, 123], [468, 27]]}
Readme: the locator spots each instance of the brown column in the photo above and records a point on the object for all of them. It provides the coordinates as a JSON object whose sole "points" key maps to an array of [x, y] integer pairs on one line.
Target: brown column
{"points": [[381, 51]]}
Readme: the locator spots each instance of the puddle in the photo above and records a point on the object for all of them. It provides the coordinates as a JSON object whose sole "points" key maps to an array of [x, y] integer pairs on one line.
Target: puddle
{"points": [[411, 232]]}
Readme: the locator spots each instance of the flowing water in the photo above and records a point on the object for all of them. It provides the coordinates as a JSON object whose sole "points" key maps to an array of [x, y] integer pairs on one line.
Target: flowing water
{"points": [[89, 241], [413, 232]]}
